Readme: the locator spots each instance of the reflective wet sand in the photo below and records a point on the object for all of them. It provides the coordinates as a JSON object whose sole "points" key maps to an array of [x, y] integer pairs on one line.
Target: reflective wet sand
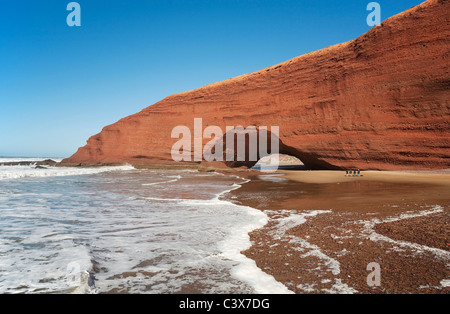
{"points": [[321, 236]]}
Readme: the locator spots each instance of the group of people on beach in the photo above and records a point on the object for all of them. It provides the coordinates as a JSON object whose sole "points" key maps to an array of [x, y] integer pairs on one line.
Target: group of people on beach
{"points": [[353, 173]]}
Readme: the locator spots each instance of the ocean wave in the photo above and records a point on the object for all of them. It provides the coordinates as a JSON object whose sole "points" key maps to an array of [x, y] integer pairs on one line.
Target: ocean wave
{"points": [[169, 242], [176, 178], [20, 172], [27, 159]]}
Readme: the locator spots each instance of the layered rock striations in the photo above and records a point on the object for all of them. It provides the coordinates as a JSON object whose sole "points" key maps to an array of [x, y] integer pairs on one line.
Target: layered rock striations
{"points": [[380, 101]]}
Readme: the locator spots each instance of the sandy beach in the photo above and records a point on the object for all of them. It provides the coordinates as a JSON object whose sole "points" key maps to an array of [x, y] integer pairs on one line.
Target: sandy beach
{"points": [[440, 177], [325, 228]]}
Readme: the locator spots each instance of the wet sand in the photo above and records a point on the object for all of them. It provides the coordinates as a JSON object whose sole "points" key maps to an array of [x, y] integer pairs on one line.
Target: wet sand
{"points": [[431, 177], [325, 229]]}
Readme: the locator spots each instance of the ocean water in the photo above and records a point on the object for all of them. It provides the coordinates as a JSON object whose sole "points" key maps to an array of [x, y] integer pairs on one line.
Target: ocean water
{"points": [[136, 231]]}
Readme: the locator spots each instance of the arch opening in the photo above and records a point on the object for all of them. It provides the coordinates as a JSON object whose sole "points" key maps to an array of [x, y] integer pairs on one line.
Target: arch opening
{"points": [[284, 162], [289, 157]]}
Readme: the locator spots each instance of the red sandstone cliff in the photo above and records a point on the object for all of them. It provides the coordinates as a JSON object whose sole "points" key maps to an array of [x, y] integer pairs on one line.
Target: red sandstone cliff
{"points": [[380, 101]]}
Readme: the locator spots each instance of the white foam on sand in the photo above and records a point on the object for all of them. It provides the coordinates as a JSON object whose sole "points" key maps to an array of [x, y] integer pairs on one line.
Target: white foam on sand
{"points": [[206, 234], [238, 240], [369, 229], [176, 178], [247, 270], [30, 270], [445, 283], [152, 239], [289, 220]]}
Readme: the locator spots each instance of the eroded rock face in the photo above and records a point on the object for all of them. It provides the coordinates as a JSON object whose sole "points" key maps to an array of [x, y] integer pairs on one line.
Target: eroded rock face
{"points": [[380, 101]]}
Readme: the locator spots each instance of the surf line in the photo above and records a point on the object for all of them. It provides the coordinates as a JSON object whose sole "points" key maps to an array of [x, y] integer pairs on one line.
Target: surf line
{"points": [[163, 182]]}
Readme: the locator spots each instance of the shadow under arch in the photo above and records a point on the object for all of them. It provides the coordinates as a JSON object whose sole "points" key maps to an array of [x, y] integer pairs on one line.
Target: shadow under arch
{"points": [[245, 139]]}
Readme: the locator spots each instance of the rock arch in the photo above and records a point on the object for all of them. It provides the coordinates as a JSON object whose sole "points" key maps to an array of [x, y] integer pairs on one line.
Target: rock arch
{"points": [[311, 161], [378, 102]]}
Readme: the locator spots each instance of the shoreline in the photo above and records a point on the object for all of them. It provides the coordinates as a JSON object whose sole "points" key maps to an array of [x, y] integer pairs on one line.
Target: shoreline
{"points": [[325, 228], [435, 176], [441, 177]]}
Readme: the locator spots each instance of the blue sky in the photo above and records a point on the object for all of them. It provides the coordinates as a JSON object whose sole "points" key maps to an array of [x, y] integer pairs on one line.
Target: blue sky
{"points": [[59, 85]]}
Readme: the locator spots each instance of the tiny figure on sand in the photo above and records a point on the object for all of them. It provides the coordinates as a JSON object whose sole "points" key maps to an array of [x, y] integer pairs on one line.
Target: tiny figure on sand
{"points": [[353, 173]]}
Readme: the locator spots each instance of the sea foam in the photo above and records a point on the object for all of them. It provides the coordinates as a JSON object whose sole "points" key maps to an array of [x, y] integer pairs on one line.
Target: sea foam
{"points": [[19, 172], [135, 237]]}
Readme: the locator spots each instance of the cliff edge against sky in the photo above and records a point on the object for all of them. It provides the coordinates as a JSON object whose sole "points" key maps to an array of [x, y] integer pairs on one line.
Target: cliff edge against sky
{"points": [[380, 101]]}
